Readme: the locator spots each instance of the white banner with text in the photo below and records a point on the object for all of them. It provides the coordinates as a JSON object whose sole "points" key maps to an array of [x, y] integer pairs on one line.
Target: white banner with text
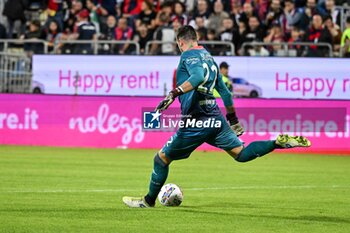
{"points": [[292, 78]]}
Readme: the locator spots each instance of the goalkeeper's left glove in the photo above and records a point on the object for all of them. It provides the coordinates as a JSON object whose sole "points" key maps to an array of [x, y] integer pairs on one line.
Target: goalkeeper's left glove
{"points": [[234, 124], [169, 99]]}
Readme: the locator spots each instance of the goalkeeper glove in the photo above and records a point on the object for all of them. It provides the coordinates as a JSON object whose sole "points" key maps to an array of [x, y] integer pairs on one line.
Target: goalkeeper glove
{"points": [[234, 124], [169, 99]]}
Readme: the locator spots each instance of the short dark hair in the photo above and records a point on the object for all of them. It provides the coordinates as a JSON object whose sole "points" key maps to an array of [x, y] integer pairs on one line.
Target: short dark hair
{"points": [[149, 4], [318, 15], [36, 23], [163, 17], [224, 65], [327, 17], [166, 4], [186, 33]]}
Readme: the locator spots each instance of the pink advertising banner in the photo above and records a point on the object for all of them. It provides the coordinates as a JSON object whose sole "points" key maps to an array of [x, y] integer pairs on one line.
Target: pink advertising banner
{"points": [[117, 122]]}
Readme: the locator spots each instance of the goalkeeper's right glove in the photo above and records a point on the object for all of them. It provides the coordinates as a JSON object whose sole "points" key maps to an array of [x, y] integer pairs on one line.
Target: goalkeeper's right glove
{"points": [[234, 123], [169, 99]]}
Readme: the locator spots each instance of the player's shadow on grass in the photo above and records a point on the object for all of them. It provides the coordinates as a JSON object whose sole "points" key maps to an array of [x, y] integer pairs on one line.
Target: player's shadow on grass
{"points": [[302, 218]]}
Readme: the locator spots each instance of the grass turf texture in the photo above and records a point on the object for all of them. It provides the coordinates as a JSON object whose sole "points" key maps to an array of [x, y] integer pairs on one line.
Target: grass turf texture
{"points": [[80, 190]]}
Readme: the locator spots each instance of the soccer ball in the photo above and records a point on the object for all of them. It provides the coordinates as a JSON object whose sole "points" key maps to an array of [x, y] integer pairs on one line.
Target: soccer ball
{"points": [[170, 195]]}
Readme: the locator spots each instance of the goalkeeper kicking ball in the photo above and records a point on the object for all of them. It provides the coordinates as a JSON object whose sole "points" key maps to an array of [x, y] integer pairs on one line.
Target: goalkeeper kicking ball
{"points": [[170, 195]]}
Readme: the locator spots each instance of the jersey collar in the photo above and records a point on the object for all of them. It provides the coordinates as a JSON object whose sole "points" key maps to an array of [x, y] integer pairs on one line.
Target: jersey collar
{"points": [[196, 47]]}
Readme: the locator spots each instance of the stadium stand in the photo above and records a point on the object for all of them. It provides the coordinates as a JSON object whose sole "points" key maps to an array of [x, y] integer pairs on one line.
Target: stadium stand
{"points": [[264, 27]]}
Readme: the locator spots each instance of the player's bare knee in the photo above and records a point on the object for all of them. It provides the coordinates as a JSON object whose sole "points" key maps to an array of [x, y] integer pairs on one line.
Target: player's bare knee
{"points": [[234, 153], [163, 159]]}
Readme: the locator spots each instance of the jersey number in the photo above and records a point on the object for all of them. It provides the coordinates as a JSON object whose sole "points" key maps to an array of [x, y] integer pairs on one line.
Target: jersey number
{"points": [[201, 87]]}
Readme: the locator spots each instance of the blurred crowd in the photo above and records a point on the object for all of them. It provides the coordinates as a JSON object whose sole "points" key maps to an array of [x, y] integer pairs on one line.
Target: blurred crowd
{"points": [[141, 21]]}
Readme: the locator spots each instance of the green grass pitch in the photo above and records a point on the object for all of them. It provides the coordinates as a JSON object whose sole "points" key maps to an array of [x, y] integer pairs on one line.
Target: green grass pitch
{"points": [[80, 190]]}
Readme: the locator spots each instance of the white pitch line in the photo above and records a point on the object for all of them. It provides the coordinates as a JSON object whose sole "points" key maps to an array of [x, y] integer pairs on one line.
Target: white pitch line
{"points": [[271, 187], [185, 189]]}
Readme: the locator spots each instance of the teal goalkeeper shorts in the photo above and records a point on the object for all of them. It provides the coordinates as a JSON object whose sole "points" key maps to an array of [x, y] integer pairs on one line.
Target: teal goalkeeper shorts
{"points": [[186, 140]]}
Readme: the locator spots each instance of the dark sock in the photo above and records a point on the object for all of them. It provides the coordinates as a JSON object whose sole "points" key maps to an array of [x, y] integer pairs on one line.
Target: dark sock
{"points": [[158, 178], [256, 149]]}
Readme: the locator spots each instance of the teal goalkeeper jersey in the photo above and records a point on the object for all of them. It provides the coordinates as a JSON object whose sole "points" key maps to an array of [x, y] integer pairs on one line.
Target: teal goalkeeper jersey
{"points": [[199, 68]]}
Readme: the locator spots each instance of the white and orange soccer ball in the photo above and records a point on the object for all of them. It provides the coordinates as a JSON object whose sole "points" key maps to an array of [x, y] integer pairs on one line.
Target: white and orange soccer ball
{"points": [[170, 195]]}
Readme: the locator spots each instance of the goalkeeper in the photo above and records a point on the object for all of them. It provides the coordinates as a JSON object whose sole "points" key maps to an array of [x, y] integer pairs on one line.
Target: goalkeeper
{"points": [[197, 76]]}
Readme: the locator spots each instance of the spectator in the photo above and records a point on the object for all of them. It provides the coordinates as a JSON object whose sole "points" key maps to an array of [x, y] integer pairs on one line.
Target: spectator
{"points": [[14, 11], [72, 15], [317, 33], [147, 15], [55, 10], [84, 30], [212, 48], [255, 32], [345, 39], [334, 30], [332, 11], [200, 27], [261, 7], [36, 9], [243, 30], [34, 33], [164, 33], [189, 6], [167, 7], [179, 13], [242, 27], [275, 14], [224, 73], [123, 32], [77, 6], [295, 16], [109, 33], [176, 25], [201, 11], [105, 7], [236, 11], [295, 50], [3, 35], [311, 9], [131, 8], [227, 5], [95, 6], [97, 14], [215, 20], [275, 35], [156, 4], [142, 37], [201, 35], [248, 11], [53, 36], [230, 33]]}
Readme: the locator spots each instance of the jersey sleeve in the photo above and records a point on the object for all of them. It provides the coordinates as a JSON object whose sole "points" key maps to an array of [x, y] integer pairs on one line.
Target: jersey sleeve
{"points": [[194, 67], [224, 92]]}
